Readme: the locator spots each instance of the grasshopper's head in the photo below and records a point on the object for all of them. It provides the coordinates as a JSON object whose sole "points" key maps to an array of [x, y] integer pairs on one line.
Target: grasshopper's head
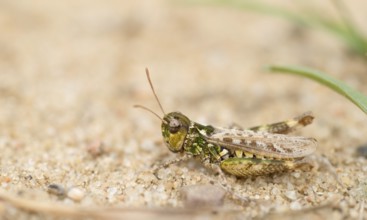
{"points": [[175, 127]]}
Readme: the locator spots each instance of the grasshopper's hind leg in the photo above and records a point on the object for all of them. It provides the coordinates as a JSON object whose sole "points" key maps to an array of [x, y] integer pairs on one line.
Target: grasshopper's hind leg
{"points": [[287, 126], [249, 167]]}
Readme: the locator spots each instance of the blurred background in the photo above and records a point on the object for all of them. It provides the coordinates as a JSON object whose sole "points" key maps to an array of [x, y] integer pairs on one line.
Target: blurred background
{"points": [[70, 72]]}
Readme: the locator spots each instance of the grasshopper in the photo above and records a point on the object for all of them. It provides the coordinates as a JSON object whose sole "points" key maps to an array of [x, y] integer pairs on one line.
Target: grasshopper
{"points": [[260, 150]]}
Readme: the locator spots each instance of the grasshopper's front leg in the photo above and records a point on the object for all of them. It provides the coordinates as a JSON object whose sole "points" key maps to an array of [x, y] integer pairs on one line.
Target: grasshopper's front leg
{"points": [[156, 168]]}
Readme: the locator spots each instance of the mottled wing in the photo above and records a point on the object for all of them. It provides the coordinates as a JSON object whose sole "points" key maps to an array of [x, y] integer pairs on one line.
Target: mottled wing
{"points": [[263, 143]]}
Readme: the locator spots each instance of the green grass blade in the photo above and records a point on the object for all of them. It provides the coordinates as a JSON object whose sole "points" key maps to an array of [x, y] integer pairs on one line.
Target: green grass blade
{"points": [[338, 86], [345, 30], [355, 34]]}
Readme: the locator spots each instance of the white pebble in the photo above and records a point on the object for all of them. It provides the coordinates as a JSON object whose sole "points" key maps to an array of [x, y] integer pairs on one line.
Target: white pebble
{"points": [[75, 194], [296, 175], [111, 192], [292, 195], [274, 191]]}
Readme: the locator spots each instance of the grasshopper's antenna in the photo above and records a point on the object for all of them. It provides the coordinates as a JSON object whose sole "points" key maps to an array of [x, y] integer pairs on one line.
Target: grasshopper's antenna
{"points": [[151, 111], [151, 86], [156, 97]]}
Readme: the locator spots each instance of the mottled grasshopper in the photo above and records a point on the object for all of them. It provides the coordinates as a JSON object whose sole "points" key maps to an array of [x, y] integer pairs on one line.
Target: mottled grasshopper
{"points": [[255, 151]]}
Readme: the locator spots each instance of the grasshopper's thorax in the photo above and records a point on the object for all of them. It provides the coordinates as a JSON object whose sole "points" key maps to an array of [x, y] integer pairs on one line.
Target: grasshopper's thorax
{"points": [[182, 135], [175, 127]]}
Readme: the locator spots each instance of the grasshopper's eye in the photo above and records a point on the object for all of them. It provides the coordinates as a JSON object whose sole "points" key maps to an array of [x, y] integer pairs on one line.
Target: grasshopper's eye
{"points": [[174, 126]]}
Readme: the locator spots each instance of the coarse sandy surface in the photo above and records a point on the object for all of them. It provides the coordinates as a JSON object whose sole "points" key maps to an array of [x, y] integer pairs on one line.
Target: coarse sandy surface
{"points": [[70, 72]]}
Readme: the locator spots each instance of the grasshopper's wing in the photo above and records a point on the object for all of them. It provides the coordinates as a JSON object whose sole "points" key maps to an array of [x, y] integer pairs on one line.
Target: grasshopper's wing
{"points": [[263, 143]]}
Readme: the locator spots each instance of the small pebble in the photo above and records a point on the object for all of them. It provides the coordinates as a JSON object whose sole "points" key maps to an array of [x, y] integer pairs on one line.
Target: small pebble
{"points": [[56, 189], [111, 192], [28, 177], [163, 174], [291, 194], [96, 148], [75, 194], [296, 175], [199, 196], [362, 151], [274, 191]]}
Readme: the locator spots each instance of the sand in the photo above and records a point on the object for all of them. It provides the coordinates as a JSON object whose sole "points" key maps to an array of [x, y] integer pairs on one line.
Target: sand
{"points": [[73, 146]]}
